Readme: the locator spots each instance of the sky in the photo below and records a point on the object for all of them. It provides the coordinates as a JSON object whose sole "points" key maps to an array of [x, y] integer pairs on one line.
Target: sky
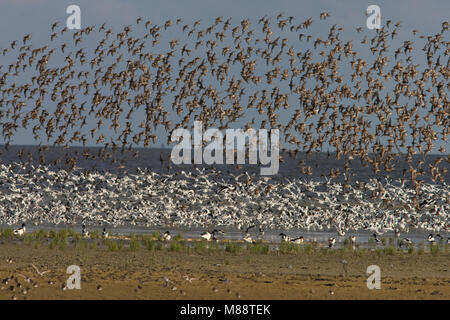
{"points": [[20, 17]]}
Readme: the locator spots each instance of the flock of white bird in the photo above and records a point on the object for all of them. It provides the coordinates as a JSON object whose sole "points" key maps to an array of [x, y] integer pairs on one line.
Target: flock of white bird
{"points": [[207, 199]]}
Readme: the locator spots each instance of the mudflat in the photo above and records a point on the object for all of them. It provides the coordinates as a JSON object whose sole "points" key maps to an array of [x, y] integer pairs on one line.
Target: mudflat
{"points": [[39, 272]]}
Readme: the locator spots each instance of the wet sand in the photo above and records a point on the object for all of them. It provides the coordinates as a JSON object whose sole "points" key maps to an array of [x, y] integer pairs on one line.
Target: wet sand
{"points": [[217, 274]]}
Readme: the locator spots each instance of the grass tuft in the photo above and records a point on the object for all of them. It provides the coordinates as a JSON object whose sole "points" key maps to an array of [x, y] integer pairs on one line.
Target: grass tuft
{"points": [[288, 247], [156, 235], [7, 233], [177, 245], [134, 244], [258, 247], [111, 245], [200, 245], [59, 239], [434, 249], [234, 248]]}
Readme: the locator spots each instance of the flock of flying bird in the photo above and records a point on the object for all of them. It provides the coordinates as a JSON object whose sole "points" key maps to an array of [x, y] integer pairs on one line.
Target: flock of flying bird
{"points": [[86, 85], [206, 198]]}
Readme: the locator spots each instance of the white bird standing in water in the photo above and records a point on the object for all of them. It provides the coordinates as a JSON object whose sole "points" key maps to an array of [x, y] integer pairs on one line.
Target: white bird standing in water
{"points": [[104, 233], [284, 237], [298, 240], [206, 235], [331, 242], [405, 241], [84, 232], [247, 237], [167, 236], [375, 237], [211, 235], [21, 231]]}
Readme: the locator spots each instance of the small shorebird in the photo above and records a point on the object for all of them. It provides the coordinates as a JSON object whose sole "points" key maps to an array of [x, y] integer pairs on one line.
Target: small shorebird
{"points": [[206, 235], [331, 242], [167, 236], [84, 232], [21, 231], [375, 237], [397, 233], [211, 235], [405, 241], [284, 237], [247, 238], [353, 239], [431, 238], [298, 240], [104, 233]]}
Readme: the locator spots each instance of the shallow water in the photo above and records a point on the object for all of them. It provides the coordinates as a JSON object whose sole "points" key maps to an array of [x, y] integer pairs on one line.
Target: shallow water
{"points": [[272, 236]]}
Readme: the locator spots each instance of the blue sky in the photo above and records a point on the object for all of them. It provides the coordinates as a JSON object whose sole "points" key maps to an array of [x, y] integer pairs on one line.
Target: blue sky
{"points": [[20, 17]]}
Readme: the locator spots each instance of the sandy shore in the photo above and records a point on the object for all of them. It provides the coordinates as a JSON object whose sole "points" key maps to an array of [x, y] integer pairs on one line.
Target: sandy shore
{"points": [[218, 274]]}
